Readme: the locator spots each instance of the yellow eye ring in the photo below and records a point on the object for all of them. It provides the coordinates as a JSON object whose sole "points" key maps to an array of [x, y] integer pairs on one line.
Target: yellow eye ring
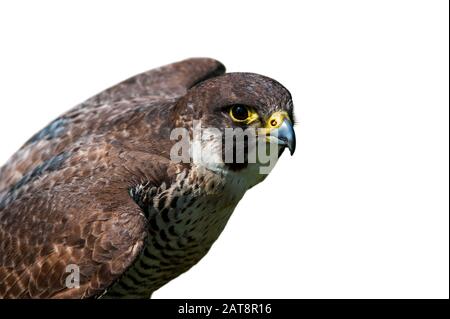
{"points": [[242, 114]]}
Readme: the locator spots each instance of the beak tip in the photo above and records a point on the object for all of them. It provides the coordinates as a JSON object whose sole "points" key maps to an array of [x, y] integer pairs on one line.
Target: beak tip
{"points": [[291, 146], [289, 137]]}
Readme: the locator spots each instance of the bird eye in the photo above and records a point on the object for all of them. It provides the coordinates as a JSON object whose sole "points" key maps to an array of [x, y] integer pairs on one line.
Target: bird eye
{"points": [[239, 113]]}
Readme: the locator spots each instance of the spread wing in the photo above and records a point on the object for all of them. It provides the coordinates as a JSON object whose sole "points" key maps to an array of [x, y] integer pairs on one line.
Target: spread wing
{"points": [[73, 213], [165, 83]]}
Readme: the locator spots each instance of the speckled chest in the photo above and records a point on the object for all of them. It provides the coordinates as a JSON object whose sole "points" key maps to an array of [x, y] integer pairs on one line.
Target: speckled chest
{"points": [[185, 218]]}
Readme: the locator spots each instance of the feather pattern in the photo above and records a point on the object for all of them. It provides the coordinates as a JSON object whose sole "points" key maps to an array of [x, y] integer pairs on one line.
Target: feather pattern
{"points": [[97, 189]]}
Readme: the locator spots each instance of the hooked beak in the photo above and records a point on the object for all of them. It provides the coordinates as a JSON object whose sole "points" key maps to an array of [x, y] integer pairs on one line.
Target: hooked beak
{"points": [[285, 135], [279, 130]]}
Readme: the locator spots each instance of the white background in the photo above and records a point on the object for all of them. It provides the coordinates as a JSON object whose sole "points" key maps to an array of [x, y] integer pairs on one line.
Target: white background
{"points": [[360, 211]]}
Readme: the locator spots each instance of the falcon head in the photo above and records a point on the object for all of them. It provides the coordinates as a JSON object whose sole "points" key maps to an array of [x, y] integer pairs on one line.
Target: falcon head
{"points": [[253, 107]]}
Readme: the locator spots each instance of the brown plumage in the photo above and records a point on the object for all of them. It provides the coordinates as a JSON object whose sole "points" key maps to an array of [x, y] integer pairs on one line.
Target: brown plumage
{"points": [[97, 189]]}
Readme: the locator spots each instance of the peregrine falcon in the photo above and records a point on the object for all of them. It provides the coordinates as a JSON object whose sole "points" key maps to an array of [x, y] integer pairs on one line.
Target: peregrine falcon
{"points": [[95, 206]]}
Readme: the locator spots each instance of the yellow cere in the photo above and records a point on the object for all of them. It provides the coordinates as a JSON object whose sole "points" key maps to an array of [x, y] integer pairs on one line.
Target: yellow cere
{"points": [[276, 119]]}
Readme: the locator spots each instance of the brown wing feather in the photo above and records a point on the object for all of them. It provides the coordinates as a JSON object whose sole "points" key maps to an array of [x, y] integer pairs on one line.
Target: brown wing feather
{"points": [[172, 80], [166, 83], [74, 210]]}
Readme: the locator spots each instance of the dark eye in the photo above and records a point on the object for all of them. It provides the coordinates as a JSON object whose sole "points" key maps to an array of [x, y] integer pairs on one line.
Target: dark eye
{"points": [[239, 112]]}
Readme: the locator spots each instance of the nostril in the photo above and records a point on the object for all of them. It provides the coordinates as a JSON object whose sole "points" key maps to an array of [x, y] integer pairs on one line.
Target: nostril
{"points": [[273, 122]]}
